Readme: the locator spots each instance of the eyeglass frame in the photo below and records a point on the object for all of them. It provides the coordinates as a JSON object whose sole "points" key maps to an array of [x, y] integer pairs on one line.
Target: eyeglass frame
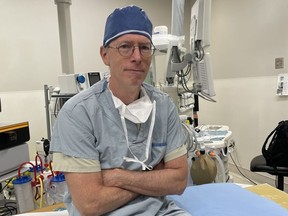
{"points": [[133, 47]]}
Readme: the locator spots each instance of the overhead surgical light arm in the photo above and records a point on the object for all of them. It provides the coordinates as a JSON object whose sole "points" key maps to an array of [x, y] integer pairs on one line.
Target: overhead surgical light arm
{"points": [[178, 66], [65, 34], [171, 45]]}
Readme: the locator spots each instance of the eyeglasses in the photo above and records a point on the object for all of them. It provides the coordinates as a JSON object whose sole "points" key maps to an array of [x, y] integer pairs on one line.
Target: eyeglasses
{"points": [[127, 49]]}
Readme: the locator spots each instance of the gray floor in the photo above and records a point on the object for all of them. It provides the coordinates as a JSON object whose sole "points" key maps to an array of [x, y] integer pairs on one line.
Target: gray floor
{"points": [[237, 178]]}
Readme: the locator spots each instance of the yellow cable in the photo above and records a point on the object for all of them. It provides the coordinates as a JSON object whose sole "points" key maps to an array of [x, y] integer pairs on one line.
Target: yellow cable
{"points": [[41, 192]]}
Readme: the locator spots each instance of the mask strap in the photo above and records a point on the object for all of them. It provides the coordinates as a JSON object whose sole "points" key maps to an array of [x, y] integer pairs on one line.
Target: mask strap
{"points": [[148, 144], [149, 139], [125, 128], [126, 136]]}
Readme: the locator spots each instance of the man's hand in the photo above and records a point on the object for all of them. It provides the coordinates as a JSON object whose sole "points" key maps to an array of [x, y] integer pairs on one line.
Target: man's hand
{"points": [[110, 189], [164, 179], [91, 197], [111, 177]]}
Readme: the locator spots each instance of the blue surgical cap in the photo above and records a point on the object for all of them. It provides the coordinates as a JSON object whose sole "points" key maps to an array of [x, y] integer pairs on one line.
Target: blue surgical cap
{"points": [[128, 20]]}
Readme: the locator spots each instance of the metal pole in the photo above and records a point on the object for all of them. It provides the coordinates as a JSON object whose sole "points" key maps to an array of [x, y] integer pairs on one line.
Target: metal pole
{"points": [[177, 25], [65, 34], [46, 96]]}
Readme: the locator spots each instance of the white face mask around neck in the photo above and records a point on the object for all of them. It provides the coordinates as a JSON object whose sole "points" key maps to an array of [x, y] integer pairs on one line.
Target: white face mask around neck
{"points": [[148, 144], [138, 111]]}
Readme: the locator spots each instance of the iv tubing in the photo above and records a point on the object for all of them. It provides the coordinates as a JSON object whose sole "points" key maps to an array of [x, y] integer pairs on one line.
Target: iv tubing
{"points": [[21, 166], [50, 167], [190, 139], [221, 167], [36, 162], [41, 192]]}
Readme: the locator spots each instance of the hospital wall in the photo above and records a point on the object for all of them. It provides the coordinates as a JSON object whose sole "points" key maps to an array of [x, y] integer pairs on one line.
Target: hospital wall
{"points": [[246, 38]]}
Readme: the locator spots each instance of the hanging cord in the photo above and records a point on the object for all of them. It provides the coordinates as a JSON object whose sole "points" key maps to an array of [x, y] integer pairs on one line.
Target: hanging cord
{"points": [[7, 183], [250, 180], [191, 139]]}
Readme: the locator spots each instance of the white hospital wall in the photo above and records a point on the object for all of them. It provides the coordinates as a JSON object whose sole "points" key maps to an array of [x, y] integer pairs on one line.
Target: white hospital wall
{"points": [[246, 37]]}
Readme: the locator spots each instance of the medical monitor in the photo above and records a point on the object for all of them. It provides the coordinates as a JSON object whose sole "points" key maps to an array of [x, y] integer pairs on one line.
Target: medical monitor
{"points": [[203, 79], [200, 23], [93, 77], [199, 40], [192, 69]]}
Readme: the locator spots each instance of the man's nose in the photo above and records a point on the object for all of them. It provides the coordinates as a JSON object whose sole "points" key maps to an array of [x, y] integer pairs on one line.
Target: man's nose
{"points": [[136, 53]]}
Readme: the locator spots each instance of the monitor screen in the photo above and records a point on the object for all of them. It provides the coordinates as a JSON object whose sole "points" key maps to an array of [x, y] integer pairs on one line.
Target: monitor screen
{"points": [[93, 77], [199, 40], [200, 23], [203, 76]]}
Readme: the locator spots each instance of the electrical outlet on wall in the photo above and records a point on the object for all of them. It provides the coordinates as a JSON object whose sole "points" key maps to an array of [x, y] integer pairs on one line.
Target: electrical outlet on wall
{"points": [[279, 63]]}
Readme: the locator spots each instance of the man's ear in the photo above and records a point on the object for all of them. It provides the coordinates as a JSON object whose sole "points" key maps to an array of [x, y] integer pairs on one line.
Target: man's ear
{"points": [[104, 55]]}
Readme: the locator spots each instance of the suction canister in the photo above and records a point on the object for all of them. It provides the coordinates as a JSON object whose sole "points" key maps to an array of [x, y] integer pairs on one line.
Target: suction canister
{"points": [[24, 193]]}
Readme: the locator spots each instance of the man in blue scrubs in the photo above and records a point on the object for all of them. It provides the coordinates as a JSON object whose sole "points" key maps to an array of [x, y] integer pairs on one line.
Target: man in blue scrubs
{"points": [[120, 142]]}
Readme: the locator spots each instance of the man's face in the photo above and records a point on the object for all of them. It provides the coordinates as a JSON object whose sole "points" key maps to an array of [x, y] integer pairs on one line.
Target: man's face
{"points": [[128, 70]]}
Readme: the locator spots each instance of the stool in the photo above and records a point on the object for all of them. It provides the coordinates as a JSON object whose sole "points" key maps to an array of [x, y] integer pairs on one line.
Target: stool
{"points": [[258, 164]]}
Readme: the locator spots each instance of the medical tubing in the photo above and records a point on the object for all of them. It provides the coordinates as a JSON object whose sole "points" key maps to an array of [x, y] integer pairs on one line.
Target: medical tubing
{"points": [[205, 96], [195, 139], [20, 167], [190, 142], [199, 52], [237, 167], [6, 185], [50, 167], [221, 167], [36, 162], [41, 192], [225, 154]]}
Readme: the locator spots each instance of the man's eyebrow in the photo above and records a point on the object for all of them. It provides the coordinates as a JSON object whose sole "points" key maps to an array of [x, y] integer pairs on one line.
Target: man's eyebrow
{"points": [[125, 42]]}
